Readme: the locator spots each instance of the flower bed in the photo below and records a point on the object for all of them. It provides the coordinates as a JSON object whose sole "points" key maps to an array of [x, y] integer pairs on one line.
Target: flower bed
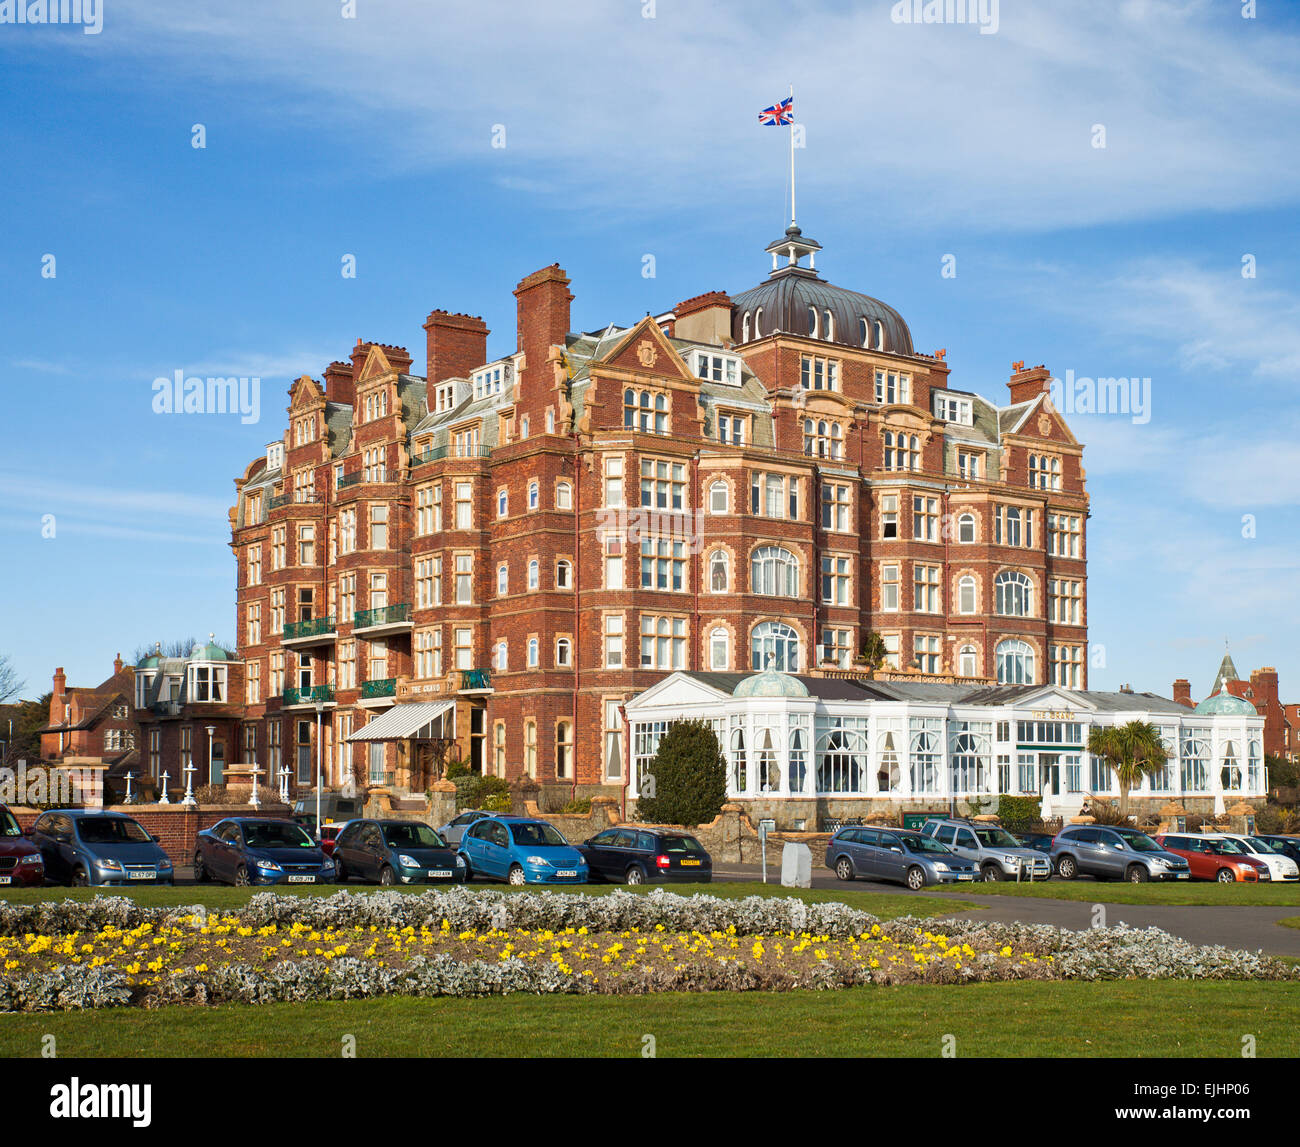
{"points": [[474, 942]]}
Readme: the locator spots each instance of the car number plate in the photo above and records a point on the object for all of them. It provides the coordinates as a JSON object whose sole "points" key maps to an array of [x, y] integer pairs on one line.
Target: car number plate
{"points": [[6, 879], [440, 872], [965, 876], [690, 863], [144, 875], [567, 872], [302, 880], [1183, 875]]}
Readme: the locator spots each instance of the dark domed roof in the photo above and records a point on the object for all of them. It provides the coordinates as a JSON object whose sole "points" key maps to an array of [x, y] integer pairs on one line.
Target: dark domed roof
{"points": [[792, 290]]}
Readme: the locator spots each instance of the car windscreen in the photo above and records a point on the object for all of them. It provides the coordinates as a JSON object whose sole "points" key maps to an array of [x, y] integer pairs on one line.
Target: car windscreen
{"points": [[9, 824], [276, 836], [923, 844], [1227, 847], [1138, 841], [1262, 845], [996, 838], [414, 835], [111, 830], [681, 844], [537, 835]]}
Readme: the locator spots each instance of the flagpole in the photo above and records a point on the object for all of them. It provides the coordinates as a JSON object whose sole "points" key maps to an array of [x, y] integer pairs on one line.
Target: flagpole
{"points": [[792, 211]]}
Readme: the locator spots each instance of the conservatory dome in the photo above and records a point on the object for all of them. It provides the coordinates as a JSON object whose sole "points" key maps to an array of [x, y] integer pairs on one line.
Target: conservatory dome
{"points": [[771, 683]]}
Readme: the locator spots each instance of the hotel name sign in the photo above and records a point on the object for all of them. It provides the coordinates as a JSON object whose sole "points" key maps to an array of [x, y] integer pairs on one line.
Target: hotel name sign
{"points": [[1053, 715]]}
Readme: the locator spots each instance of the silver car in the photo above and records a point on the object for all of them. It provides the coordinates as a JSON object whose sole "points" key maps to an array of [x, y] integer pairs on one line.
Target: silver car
{"points": [[1112, 852], [897, 855], [994, 851]]}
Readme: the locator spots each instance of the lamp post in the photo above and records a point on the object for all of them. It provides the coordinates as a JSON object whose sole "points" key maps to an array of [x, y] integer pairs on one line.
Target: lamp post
{"points": [[284, 783], [129, 778], [320, 710], [188, 798], [164, 799]]}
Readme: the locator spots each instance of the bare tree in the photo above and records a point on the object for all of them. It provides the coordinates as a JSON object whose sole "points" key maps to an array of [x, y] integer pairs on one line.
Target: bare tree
{"points": [[10, 683]]}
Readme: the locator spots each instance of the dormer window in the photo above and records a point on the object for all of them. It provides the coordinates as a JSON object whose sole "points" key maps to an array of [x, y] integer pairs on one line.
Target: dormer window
{"points": [[952, 409], [490, 381], [745, 328], [758, 323], [880, 334], [812, 321], [723, 368], [864, 333], [828, 325], [376, 404], [444, 397], [208, 683], [275, 456]]}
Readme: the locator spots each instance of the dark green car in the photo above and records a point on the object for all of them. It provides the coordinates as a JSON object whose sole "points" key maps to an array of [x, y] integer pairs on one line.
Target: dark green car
{"points": [[396, 852]]}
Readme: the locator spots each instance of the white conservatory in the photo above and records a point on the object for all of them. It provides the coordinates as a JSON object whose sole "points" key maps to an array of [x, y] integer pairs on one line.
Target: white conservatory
{"points": [[802, 749]]}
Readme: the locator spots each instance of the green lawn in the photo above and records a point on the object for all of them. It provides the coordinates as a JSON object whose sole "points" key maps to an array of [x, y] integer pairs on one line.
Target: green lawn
{"points": [[883, 904], [1290, 922], [1149, 1018], [1199, 892]]}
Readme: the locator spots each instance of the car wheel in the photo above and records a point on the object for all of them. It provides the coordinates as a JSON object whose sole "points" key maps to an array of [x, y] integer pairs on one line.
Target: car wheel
{"points": [[844, 868], [634, 875], [341, 874], [1226, 876], [200, 873], [241, 877], [80, 877], [386, 876], [916, 878], [1138, 874], [1066, 868], [991, 872], [469, 872], [517, 875]]}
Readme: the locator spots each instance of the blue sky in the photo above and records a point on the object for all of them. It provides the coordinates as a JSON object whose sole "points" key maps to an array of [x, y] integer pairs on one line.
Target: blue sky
{"points": [[630, 129]]}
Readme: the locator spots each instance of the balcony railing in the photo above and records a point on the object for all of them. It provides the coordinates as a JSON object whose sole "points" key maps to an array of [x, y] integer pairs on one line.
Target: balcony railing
{"points": [[475, 679], [452, 450], [375, 474], [384, 615], [298, 497], [313, 627], [309, 696], [382, 687]]}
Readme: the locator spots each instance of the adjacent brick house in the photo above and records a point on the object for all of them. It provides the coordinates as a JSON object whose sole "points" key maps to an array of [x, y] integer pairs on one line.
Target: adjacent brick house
{"points": [[94, 728], [1281, 721], [500, 553]]}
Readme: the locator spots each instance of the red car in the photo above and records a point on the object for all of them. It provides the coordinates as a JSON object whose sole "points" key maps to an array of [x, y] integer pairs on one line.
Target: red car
{"points": [[20, 859], [329, 834], [1213, 859]]}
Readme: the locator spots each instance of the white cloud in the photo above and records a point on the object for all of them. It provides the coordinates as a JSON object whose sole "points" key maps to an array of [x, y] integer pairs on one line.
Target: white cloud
{"points": [[605, 106]]}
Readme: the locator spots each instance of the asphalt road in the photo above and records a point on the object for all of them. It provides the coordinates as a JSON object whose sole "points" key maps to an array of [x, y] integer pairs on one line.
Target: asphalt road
{"points": [[1251, 928]]}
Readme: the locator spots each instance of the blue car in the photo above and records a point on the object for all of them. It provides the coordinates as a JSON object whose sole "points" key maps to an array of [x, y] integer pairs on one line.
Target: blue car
{"points": [[258, 850], [521, 851], [95, 848]]}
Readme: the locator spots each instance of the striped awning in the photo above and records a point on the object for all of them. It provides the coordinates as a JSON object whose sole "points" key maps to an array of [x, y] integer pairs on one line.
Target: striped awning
{"points": [[421, 720]]}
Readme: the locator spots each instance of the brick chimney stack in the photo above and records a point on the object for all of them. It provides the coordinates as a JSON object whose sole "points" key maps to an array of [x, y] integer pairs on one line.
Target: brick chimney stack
{"points": [[1028, 384], [60, 687], [456, 344], [117, 665], [339, 384], [542, 306], [1183, 692]]}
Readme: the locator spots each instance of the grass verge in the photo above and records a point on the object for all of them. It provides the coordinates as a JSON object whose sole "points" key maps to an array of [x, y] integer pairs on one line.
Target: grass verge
{"points": [[1197, 893]]}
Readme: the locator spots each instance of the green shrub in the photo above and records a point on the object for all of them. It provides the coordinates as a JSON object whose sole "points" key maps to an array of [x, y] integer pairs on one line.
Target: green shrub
{"points": [[1018, 812], [457, 769], [688, 777], [474, 791], [581, 806]]}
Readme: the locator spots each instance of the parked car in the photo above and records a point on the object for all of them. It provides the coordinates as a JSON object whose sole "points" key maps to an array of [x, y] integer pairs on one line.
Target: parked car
{"points": [[20, 859], [329, 835], [335, 808], [1280, 866], [1114, 853], [259, 850], [995, 852], [396, 852], [521, 851], [637, 855], [1288, 846], [454, 830], [1210, 859], [900, 855], [1038, 841], [85, 847]]}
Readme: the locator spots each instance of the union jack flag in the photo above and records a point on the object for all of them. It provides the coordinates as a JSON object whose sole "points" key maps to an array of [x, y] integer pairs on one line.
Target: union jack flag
{"points": [[778, 115]]}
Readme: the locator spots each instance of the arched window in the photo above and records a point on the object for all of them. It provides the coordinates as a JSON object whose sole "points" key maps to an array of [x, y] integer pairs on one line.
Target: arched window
{"points": [[534, 498], [532, 653], [758, 323], [744, 328], [719, 650], [563, 574], [563, 652], [880, 335], [966, 594], [841, 758], [739, 763], [828, 325], [499, 749], [966, 528], [774, 571], [1014, 594], [967, 661], [563, 747], [718, 498], [1015, 662], [501, 659], [864, 333], [533, 570], [1230, 770], [503, 580], [812, 321], [798, 759], [564, 496], [503, 503], [774, 645], [719, 572], [769, 774]]}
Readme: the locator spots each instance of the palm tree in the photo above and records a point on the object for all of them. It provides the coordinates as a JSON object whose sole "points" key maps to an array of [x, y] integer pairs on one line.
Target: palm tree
{"points": [[1134, 751]]}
